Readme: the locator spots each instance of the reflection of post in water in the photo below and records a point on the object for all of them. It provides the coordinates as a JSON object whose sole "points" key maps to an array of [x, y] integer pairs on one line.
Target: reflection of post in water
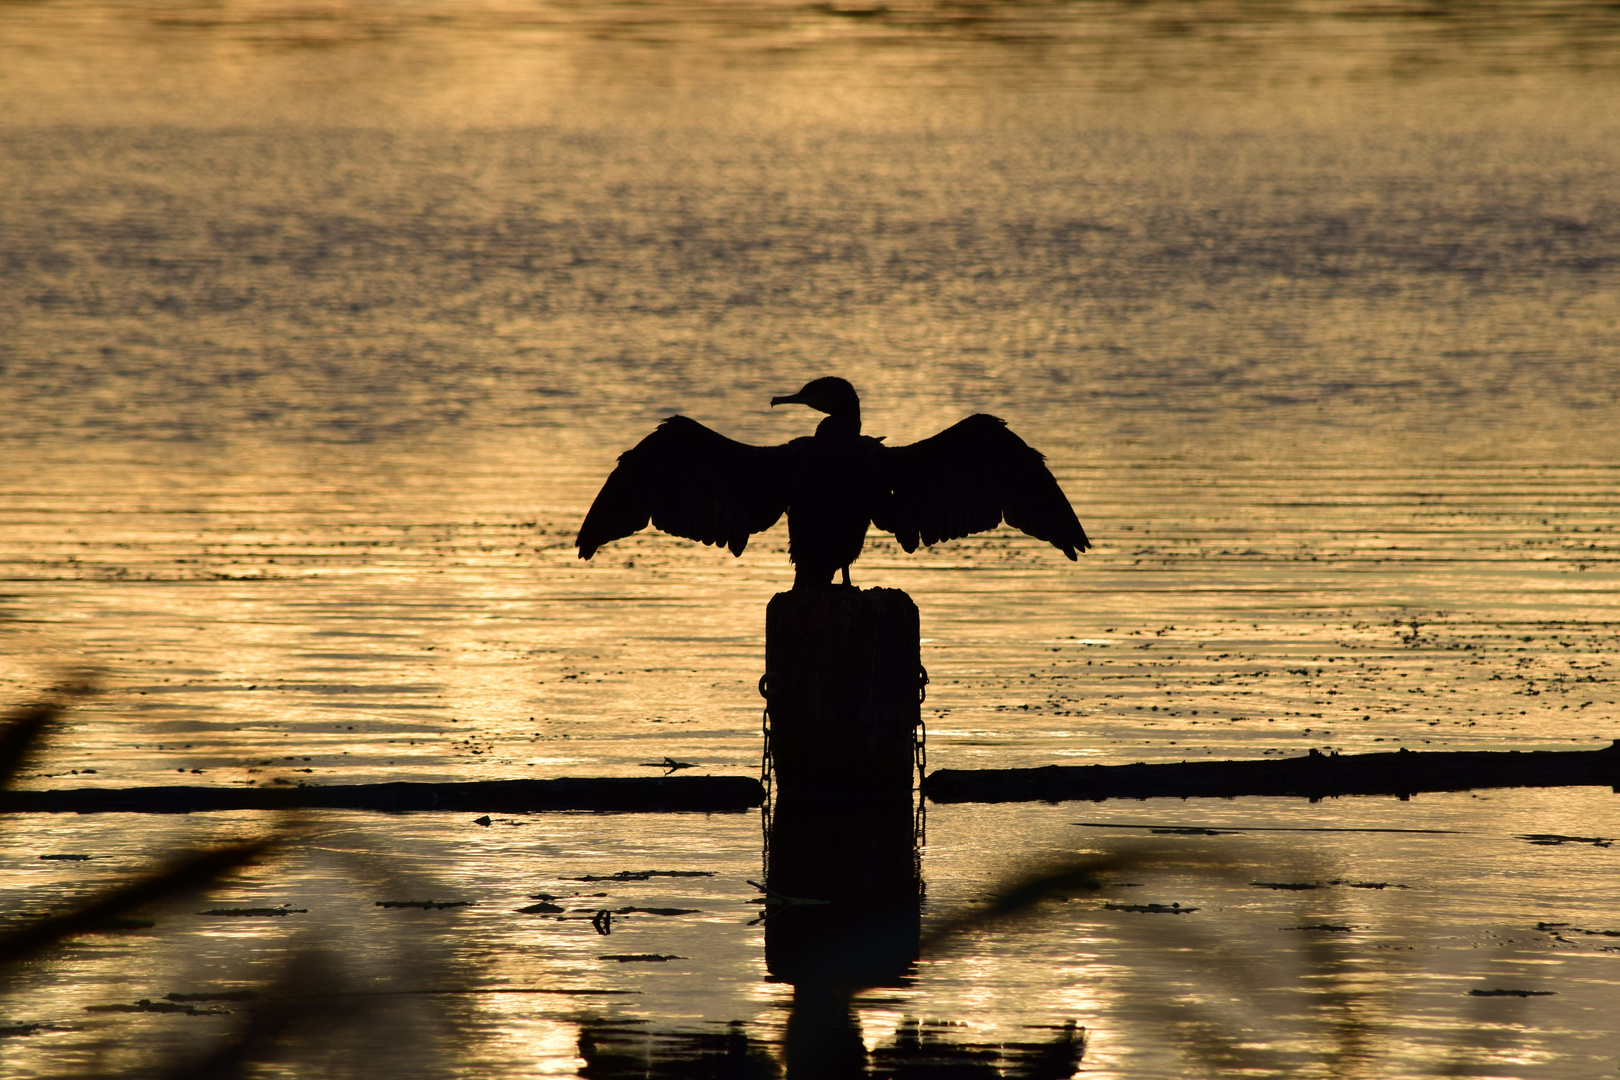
{"points": [[859, 858], [842, 678]]}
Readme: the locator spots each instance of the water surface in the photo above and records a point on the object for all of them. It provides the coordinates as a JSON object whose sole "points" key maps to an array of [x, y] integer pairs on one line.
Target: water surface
{"points": [[324, 326]]}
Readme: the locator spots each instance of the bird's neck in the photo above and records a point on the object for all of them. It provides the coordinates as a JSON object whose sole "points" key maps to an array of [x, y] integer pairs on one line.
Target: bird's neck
{"points": [[843, 422]]}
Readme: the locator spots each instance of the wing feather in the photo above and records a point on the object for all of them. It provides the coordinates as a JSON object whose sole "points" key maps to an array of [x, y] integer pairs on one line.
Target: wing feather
{"points": [[969, 478], [689, 480]]}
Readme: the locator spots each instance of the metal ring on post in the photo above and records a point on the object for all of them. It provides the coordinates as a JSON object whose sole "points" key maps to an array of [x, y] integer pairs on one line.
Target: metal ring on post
{"points": [[922, 684], [764, 686]]}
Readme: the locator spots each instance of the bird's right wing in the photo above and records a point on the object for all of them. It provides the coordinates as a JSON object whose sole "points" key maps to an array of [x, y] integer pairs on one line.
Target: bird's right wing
{"points": [[690, 481], [969, 478]]}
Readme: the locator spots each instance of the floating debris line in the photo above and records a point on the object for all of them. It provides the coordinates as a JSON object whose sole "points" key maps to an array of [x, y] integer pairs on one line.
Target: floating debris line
{"points": [[1314, 776], [701, 794]]}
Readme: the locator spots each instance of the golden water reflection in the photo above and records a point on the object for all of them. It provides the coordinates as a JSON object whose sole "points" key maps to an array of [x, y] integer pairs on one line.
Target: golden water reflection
{"points": [[323, 325], [1361, 945]]}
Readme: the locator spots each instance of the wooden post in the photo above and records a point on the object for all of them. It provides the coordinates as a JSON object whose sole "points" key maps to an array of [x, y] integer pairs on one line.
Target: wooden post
{"points": [[843, 668]]}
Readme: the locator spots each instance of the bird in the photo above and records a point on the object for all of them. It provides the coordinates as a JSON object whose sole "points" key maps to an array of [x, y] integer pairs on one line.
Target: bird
{"points": [[691, 481]]}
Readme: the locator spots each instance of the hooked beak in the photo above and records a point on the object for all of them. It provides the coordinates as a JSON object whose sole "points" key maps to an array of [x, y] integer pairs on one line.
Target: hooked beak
{"points": [[790, 399]]}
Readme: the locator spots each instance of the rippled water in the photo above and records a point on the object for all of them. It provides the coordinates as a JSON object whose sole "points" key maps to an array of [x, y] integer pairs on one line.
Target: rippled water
{"points": [[322, 325]]}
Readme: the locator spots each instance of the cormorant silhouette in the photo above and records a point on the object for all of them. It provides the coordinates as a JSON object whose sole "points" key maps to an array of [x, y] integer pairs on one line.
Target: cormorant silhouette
{"points": [[694, 482]]}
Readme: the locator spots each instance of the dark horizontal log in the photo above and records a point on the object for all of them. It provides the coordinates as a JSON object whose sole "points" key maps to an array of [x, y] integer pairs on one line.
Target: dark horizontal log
{"points": [[1314, 776], [707, 794]]}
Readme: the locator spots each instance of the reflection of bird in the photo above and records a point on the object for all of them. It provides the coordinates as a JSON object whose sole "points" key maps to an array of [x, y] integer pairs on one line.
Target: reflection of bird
{"points": [[696, 483]]}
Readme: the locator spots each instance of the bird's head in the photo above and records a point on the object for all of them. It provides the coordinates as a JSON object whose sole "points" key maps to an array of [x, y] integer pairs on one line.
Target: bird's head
{"points": [[831, 395]]}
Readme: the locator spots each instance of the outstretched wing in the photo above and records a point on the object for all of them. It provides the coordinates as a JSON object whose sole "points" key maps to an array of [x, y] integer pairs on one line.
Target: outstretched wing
{"points": [[969, 478], [690, 481]]}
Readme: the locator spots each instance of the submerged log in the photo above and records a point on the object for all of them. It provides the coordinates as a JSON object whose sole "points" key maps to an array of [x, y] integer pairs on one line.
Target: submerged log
{"points": [[1314, 776], [704, 794]]}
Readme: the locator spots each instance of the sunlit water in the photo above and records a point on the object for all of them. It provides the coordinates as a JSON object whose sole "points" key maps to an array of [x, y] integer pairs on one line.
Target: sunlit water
{"points": [[319, 329]]}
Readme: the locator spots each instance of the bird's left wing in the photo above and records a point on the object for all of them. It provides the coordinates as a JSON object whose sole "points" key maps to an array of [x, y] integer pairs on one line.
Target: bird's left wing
{"points": [[969, 478], [691, 481]]}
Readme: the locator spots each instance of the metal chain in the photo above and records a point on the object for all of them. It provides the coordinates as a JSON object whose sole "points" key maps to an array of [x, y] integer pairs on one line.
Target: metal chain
{"points": [[919, 735], [919, 749], [767, 767], [919, 835]]}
